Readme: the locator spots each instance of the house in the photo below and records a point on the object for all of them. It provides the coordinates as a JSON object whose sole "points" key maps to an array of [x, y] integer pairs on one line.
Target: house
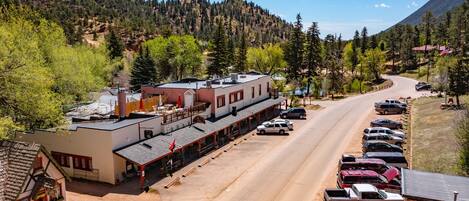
{"points": [[198, 116], [419, 185], [28, 172]]}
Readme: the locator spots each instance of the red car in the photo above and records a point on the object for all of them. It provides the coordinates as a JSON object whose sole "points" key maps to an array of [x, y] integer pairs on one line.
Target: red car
{"points": [[386, 181], [374, 164]]}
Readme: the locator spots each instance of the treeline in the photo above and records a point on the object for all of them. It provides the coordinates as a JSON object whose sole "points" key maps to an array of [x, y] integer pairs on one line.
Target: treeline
{"points": [[136, 21], [40, 73]]}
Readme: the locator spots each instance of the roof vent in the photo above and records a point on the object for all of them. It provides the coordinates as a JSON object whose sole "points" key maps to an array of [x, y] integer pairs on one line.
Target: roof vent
{"points": [[146, 145]]}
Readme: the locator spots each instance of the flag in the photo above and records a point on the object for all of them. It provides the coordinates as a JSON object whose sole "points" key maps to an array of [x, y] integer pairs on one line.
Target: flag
{"points": [[172, 145]]}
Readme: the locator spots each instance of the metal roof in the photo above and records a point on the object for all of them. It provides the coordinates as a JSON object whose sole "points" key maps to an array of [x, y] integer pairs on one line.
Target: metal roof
{"points": [[109, 125], [224, 82], [158, 147], [433, 186]]}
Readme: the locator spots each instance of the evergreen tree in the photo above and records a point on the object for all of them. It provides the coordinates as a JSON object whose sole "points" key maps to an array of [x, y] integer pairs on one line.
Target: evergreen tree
{"points": [[218, 55], [392, 41], [458, 77], [313, 53], [241, 56], [143, 70], [331, 62], [364, 40], [230, 48], [355, 46], [373, 42], [427, 20], [295, 50], [115, 46]]}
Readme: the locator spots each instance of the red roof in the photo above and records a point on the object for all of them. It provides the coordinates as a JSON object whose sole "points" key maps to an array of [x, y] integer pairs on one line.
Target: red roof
{"points": [[348, 173]]}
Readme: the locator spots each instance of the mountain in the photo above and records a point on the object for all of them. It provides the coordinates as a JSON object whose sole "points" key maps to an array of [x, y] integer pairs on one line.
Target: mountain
{"points": [[437, 7], [138, 20]]}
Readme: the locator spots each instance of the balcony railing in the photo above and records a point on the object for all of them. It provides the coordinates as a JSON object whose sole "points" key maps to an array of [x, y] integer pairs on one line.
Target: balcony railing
{"points": [[180, 114]]}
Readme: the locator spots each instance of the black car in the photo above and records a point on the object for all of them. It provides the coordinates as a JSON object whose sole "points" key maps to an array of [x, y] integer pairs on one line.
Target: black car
{"points": [[380, 146], [293, 113], [386, 123], [423, 86]]}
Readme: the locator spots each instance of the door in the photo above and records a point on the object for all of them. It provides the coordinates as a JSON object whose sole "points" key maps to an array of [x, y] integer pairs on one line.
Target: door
{"points": [[188, 99]]}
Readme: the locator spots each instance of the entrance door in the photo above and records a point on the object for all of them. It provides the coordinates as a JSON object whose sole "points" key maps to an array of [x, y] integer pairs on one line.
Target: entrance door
{"points": [[189, 98]]}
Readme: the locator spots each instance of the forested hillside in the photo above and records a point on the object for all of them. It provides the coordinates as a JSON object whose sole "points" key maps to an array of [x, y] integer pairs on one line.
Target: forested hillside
{"points": [[437, 7], [139, 20]]}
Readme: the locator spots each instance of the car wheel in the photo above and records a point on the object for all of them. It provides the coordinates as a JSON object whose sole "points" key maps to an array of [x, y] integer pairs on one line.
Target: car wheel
{"points": [[281, 132], [262, 132], [284, 116], [385, 112]]}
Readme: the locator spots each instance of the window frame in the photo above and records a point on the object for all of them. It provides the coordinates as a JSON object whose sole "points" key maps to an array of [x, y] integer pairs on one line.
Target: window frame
{"points": [[223, 101]]}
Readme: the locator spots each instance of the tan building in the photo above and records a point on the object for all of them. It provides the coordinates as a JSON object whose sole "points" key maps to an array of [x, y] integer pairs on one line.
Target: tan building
{"points": [[114, 150]]}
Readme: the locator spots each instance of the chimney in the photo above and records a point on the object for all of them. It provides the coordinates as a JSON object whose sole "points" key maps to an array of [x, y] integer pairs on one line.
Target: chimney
{"points": [[122, 102]]}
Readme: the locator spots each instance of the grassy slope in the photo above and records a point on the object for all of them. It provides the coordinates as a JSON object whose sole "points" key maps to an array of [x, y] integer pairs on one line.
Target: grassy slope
{"points": [[434, 144]]}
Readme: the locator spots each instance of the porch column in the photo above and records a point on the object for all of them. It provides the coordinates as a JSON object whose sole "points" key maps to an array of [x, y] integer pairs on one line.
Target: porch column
{"points": [[142, 176], [215, 139]]}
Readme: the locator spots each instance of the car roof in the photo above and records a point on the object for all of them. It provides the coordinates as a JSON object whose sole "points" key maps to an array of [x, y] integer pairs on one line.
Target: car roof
{"points": [[379, 128], [376, 142], [365, 187], [375, 134], [355, 173], [377, 154], [366, 161]]}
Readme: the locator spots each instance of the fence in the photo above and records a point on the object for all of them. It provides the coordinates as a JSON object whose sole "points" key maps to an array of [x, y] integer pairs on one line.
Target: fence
{"points": [[134, 106], [184, 113]]}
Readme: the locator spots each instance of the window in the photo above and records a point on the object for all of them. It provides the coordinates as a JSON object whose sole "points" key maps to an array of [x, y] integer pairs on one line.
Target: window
{"points": [[253, 89], [268, 87], [61, 158], [82, 162], [260, 89], [236, 96], [220, 101]]}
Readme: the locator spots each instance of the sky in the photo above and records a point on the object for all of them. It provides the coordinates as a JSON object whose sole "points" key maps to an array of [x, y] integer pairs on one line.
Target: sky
{"points": [[344, 16]]}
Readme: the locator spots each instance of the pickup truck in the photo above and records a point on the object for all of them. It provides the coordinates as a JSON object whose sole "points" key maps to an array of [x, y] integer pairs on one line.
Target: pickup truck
{"points": [[365, 192]]}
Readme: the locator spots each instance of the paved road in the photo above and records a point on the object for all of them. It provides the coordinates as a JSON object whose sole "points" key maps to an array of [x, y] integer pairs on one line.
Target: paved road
{"points": [[295, 169]]}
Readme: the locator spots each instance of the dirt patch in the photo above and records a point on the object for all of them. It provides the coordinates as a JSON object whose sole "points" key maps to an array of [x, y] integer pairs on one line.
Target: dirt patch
{"points": [[434, 143]]}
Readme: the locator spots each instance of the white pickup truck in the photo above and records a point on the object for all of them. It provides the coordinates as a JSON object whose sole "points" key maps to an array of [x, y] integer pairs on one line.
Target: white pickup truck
{"points": [[364, 192]]}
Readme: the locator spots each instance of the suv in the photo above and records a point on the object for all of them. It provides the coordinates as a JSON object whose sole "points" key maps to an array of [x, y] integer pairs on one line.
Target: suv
{"points": [[387, 180], [380, 146], [395, 159], [394, 101], [383, 137], [293, 113], [386, 123], [351, 163], [289, 123], [389, 108], [280, 128], [384, 130]]}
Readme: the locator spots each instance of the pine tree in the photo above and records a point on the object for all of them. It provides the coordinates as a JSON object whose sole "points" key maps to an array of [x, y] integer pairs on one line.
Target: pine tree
{"points": [[218, 55], [355, 46], [295, 49], [115, 46], [427, 20], [373, 42], [143, 70], [364, 40], [241, 55], [230, 48], [331, 63], [313, 53], [458, 77], [392, 48]]}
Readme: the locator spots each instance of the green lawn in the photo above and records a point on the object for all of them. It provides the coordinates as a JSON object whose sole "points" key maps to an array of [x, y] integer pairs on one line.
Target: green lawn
{"points": [[434, 143]]}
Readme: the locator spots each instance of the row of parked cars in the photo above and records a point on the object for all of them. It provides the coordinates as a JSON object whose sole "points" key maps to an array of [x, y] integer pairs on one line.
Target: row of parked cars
{"points": [[376, 174], [283, 125]]}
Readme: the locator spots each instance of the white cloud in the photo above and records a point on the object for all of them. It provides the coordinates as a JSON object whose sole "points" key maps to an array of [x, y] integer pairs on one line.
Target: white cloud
{"points": [[382, 5], [413, 4]]}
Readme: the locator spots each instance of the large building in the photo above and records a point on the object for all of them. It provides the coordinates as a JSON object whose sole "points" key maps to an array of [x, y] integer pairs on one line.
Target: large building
{"points": [[198, 116]]}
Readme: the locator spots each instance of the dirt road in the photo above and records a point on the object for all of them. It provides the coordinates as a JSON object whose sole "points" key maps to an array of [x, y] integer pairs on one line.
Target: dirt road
{"points": [[296, 169]]}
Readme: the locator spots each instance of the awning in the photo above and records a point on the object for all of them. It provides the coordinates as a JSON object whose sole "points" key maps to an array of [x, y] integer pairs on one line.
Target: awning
{"points": [[153, 149]]}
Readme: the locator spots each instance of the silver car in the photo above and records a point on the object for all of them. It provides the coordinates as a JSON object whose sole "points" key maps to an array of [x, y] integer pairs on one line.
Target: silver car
{"points": [[384, 130], [279, 128], [284, 121], [383, 137]]}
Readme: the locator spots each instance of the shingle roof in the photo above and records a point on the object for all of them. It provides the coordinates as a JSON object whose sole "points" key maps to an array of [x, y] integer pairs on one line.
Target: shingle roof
{"points": [[16, 161], [433, 186], [141, 153]]}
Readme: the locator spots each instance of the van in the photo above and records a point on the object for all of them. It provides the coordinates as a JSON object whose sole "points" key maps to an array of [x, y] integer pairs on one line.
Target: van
{"points": [[395, 159]]}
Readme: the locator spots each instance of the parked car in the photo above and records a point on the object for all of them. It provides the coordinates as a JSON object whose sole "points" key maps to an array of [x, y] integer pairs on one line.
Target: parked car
{"points": [[384, 130], [360, 192], [389, 108], [293, 113], [423, 86], [395, 159], [285, 121], [280, 128], [394, 101], [387, 180], [386, 123], [380, 146], [383, 137], [349, 162]]}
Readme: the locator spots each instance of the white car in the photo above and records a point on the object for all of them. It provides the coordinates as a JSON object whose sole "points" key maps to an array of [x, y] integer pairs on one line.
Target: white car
{"points": [[280, 128], [385, 130], [282, 121]]}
